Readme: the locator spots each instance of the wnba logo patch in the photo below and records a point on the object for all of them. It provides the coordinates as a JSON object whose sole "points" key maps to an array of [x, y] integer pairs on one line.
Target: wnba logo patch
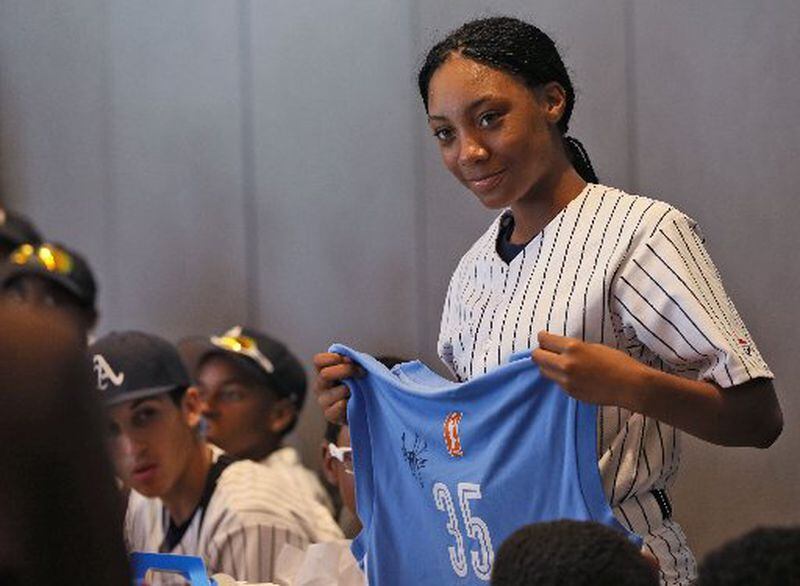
{"points": [[451, 438]]}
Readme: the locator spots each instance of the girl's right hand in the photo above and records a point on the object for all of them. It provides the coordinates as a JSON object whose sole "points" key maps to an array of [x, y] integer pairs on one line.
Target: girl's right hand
{"points": [[331, 394]]}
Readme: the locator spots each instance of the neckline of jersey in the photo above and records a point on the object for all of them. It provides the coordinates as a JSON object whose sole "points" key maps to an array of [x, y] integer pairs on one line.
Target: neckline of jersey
{"points": [[413, 383], [495, 256]]}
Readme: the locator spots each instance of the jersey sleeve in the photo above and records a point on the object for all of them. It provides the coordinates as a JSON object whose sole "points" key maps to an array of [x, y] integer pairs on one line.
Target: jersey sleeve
{"points": [[143, 523], [670, 294], [250, 552]]}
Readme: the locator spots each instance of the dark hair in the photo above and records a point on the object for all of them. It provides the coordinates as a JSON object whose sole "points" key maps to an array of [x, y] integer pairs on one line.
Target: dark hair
{"points": [[332, 432], [570, 552], [60, 511], [521, 49], [390, 361], [762, 557], [176, 395]]}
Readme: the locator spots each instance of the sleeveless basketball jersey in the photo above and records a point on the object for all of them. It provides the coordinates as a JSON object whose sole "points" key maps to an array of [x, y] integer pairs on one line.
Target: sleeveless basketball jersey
{"points": [[446, 471]]}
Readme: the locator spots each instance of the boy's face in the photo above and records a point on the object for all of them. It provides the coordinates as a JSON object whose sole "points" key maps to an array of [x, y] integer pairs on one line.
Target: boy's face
{"points": [[340, 475], [151, 441], [237, 408]]}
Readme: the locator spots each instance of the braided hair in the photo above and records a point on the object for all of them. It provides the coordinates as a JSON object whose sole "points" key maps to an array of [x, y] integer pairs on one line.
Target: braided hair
{"points": [[521, 49]]}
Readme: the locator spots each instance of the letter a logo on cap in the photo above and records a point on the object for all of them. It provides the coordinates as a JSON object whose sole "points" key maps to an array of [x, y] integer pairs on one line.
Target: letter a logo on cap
{"points": [[105, 373]]}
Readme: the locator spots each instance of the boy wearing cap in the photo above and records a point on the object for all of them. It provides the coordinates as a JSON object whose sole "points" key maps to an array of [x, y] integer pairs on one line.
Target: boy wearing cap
{"points": [[337, 463], [15, 230], [337, 466], [51, 275], [186, 496], [253, 389]]}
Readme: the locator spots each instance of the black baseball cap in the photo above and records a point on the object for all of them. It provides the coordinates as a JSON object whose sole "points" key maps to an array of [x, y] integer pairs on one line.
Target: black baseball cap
{"points": [[281, 368], [134, 365], [16, 229], [56, 263]]}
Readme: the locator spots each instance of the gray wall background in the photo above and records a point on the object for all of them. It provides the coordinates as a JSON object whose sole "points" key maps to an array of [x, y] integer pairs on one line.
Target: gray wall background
{"points": [[269, 163]]}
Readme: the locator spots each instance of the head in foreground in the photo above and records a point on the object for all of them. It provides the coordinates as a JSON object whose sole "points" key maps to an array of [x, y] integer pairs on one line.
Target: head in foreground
{"points": [[571, 553]]}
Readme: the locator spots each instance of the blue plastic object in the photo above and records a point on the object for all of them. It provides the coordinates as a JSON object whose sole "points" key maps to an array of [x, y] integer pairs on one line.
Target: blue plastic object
{"points": [[190, 567]]}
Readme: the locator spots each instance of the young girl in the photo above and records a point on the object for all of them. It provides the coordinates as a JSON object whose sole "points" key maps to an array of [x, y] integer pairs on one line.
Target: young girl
{"points": [[615, 293]]}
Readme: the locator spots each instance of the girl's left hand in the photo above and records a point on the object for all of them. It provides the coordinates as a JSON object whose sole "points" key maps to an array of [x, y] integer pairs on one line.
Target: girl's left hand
{"points": [[592, 373]]}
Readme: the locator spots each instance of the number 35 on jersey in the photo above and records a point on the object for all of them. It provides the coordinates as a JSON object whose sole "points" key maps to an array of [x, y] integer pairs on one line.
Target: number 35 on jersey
{"points": [[482, 556]]}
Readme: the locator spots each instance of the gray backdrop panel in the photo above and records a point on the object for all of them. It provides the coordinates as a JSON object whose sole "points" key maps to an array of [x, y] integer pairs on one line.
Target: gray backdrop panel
{"points": [[53, 114], [176, 152], [716, 134], [334, 176]]}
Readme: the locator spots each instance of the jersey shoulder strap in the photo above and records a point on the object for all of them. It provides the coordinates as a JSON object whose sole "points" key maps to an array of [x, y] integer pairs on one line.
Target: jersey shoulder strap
{"points": [[175, 533]]}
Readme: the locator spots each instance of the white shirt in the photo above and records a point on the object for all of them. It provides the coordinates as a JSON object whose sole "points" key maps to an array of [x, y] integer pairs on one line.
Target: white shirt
{"points": [[287, 461], [628, 272], [248, 520], [321, 564]]}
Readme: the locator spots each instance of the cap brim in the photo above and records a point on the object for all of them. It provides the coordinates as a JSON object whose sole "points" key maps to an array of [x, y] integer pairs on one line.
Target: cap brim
{"points": [[13, 271], [195, 349], [112, 398], [12, 236]]}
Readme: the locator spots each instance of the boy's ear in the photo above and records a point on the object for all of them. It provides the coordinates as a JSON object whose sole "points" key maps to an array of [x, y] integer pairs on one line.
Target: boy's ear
{"points": [[91, 317], [327, 465], [281, 415], [192, 407]]}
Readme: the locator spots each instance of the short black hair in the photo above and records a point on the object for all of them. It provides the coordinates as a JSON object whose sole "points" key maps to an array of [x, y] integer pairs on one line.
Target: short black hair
{"points": [[762, 557], [176, 395], [578, 553], [389, 360], [332, 432]]}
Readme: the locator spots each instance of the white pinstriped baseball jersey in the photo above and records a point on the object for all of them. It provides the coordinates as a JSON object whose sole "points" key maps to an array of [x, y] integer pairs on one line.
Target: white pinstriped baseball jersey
{"points": [[629, 272], [286, 460], [248, 520]]}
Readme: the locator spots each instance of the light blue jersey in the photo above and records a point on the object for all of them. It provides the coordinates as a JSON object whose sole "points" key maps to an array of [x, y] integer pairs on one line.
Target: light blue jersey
{"points": [[446, 471]]}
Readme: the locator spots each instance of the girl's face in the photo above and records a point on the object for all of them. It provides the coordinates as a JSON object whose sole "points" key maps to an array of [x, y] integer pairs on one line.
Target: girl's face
{"points": [[498, 137]]}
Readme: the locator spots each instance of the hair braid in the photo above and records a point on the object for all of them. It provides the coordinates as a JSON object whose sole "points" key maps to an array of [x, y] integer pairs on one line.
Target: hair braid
{"points": [[580, 159]]}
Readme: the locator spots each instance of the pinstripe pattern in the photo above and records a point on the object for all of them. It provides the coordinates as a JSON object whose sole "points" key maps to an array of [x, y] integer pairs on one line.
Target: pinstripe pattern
{"points": [[286, 461], [250, 517], [629, 272]]}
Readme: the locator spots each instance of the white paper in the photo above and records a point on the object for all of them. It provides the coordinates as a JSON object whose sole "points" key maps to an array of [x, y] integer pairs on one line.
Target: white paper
{"points": [[322, 564]]}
